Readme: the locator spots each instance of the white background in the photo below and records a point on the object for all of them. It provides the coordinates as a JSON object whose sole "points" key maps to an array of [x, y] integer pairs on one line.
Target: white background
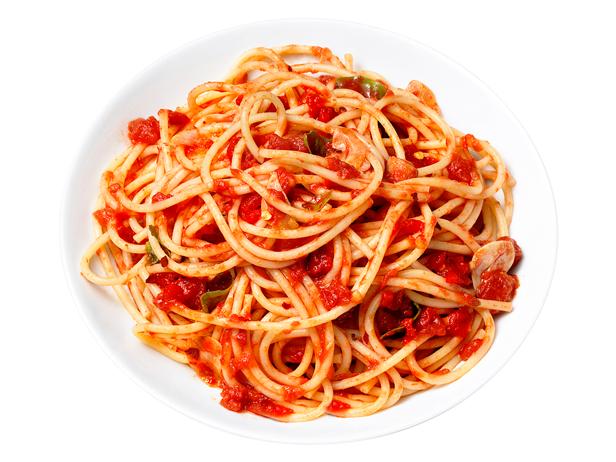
{"points": [[61, 397]]}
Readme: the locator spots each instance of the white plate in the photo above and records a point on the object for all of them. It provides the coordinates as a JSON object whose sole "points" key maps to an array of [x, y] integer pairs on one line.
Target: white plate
{"points": [[466, 103]]}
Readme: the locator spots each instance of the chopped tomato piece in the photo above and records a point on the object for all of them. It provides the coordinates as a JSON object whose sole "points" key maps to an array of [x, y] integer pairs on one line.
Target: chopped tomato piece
{"points": [[144, 130], [462, 167], [320, 262], [334, 294], [497, 285], [342, 169], [250, 208], [453, 267], [177, 118], [239, 398], [471, 347]]}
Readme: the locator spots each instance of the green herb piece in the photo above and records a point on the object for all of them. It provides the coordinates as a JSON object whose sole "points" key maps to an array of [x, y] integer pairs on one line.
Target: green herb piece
{"points": [[316, 143], [417, 310], [153, 231], [148, 247], [210, 299], [367, 87], [393, 332], [320, 203], [153, 258]]}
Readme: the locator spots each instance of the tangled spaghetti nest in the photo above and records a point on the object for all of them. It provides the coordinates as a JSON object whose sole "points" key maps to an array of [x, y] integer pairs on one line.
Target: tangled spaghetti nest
{"points": [[308, 237]]}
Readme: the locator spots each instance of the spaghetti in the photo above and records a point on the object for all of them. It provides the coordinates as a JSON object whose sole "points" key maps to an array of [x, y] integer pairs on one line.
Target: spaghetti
{"points": [[308, 237]]}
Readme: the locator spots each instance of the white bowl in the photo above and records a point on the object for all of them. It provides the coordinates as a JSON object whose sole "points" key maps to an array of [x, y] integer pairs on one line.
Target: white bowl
{"points": [[467, 104]]}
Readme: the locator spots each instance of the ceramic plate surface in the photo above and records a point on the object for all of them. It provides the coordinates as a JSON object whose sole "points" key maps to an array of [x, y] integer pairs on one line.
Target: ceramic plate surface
{"points": [[467, 105]]}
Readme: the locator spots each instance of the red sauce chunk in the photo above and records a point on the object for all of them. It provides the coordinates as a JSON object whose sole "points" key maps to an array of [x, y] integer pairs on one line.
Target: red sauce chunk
{"points": [[231, 146], [471, 347], [176, 288], [409, 226], [458, 323], [288, 142], [338, 406], [320, 262], [497, 285], [240, 398], [159, 197], [418, 160], [144, 130], [394, 309], [316, 105], [297, 273], [348, 320], [430, 323], [109, 217], [250, 208], [286, 179], [177, 118], [169, 212], [453, 267], [210, 233], [342, 169], [105, 216], [293, 351], [334, 294], [248, 161], [199, 145], [462, 167]]}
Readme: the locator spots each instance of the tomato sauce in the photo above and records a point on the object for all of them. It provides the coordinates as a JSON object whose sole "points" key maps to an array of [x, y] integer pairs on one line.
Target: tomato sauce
{"points": [[293, 351], [334, 294], [169, 212], [429, 322], [177, 118], [240, 398], [200, 145], [497, 285], [291, 142], [291, 393], [248, 161], [348, 320], [250, 208], [109, 217], [231, 146], [419, 160], [176, 288], [286, 179], [342, 169], [240, 362], [458, 323], [453, 267], [144, 130], [338, 406], [316, 105], [462, 167], [135, 167], [471, 347], [406, 227], [288, 244], [296, 273], [320, 262], [204, 372], [394, 308], [210, 233]]}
